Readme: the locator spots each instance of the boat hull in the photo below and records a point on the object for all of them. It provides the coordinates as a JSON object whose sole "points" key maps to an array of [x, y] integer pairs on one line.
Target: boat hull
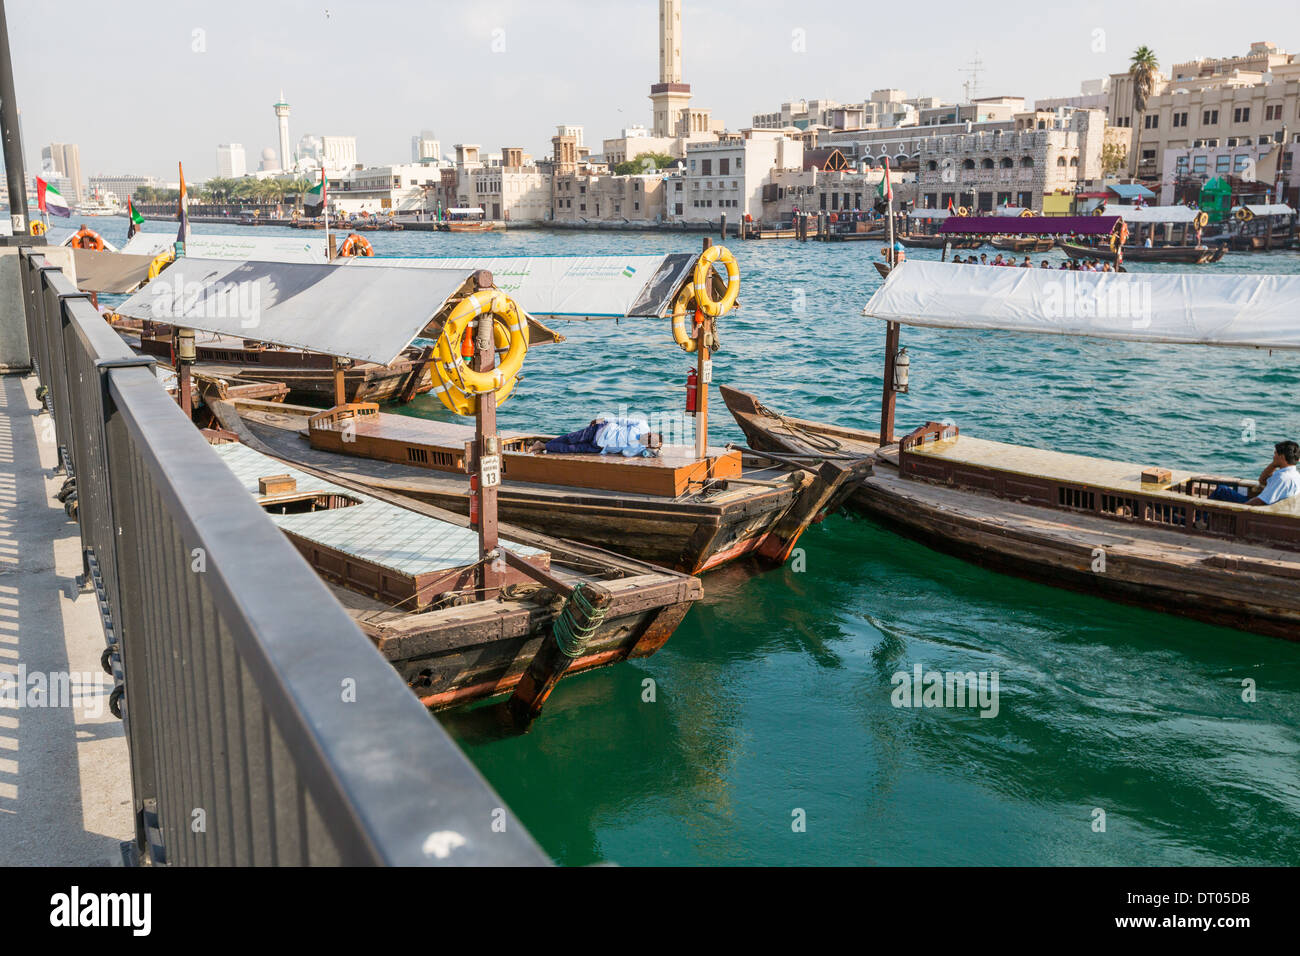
{"points": [[1190, 255]]}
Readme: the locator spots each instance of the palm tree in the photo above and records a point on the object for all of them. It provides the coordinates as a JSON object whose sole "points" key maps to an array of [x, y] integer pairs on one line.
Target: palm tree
{"points": [[1143, 68]]}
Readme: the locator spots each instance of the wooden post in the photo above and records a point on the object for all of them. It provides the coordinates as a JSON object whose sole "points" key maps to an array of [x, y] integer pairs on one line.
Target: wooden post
{"points": [[340, 381], [486, 443], [722, 227], [703, 372], [330, 250], [888, 395]]}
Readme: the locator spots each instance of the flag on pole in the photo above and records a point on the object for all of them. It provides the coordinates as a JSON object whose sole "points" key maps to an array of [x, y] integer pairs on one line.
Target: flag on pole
{"points": [[885, 191], [133, 219], [50, 200], [183, 233], [313, 200]]}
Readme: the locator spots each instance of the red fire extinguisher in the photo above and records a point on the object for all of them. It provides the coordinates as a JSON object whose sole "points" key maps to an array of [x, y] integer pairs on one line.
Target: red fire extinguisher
{"points": [[473, 501], [692, 391]]}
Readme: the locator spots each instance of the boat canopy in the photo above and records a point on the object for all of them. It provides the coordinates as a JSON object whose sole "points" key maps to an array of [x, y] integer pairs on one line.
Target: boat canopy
{"points": [[370, 315], [466, 210], [100, 271], [1171, 214], [1131, 191], [1029, 226], [570, 287], [1202, 309], [929, 214], [1267, 209], [304, 248]]}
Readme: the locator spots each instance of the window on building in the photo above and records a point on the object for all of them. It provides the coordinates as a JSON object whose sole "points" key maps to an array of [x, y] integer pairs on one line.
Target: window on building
{"points": [[1210, 118], [1273, 112], [932, 166], [1027, 162], [582, 207], [1241, 162], [1004, 199], [1180, 166], [1222, 164], [1074, 161], [1060, 160], [635, 206], [1232, 141], [724, 166], [706, 167], [1199, 164], [965, 164], [1005, 162], [1151, 121], [1180, 119], [679, 209], [823, 201], [1241, 114], [1148, 155]]}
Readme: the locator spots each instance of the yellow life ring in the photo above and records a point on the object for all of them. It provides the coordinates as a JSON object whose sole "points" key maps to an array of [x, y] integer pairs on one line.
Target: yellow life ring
{"points": [[1202, 219], [703, 279], [355, 245], [37, 228], [963, 211], [681, 309], [160, 262], [1243, 215], [1026, 213], [1114, 242], [459, 385]]}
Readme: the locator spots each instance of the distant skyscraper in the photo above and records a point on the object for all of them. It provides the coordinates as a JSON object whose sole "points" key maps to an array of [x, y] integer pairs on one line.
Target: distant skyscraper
{"points": [[425, 146], [65, 160], [282, 115], [338, 153], [231, 163]]}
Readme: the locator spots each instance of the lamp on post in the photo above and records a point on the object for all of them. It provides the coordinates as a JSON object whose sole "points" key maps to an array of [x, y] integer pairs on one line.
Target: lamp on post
{"points": [[187, 354]]}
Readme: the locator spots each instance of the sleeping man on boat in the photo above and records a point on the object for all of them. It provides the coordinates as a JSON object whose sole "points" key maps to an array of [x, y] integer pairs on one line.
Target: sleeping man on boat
{"points": [[1279, 481], [630, 437]]}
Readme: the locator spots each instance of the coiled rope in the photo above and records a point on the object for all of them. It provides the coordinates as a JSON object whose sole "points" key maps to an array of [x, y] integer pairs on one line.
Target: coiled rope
{"points": [[577, 621]]}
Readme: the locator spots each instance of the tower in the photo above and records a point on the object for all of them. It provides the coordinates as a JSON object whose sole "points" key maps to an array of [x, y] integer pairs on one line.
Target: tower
{"points": [[670, 95], [282, 114]]}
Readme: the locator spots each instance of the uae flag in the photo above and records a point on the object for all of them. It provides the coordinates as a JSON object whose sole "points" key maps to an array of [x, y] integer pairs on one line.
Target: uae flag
{"points": [[885, 191], [50, 201], [313, 200], [183, 233], [133, 219]]}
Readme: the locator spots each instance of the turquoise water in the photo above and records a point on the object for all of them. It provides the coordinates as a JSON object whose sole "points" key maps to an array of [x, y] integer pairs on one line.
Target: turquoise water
{"points": [[772, 700]]}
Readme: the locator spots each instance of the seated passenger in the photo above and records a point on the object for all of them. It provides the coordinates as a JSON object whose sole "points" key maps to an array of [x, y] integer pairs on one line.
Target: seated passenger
{"points": [[1279, 480], [630, 437]]}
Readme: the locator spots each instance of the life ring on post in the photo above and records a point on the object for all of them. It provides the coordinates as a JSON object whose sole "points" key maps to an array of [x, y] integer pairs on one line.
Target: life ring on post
{"points": [[85, 238], [703, 279], [1202, 220], [459, 385], [37, 228], [1243, 215], [682, 307], [963, 211], [355, 245], [160, 262], [1026, 214]]}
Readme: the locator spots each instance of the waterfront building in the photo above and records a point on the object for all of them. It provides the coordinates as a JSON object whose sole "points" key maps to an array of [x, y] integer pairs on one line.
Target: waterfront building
{"points": [[338, 154], [382, 190], [269, 165], [728, 175], [123, 186], [282, 120], [584, 197], [1216, 114], [64, 159], [1093, 95], [230, 161], [816, 189], [884, 108], [1036, 164]]}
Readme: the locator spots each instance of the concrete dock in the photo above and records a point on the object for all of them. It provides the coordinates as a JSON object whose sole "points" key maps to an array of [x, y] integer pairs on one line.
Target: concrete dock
{"points": [[65, 786]]}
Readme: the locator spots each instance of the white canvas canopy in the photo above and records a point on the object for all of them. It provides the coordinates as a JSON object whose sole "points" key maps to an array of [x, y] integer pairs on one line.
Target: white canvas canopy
{"points": [[370, 315], [570, 287], [1200, 309], [929, 214], [307, 247], [1171, 214], [1267, 209]]}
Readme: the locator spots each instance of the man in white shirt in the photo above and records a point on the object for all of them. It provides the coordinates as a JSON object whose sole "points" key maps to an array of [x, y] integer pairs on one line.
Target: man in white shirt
{"points": [[1279, 481]]}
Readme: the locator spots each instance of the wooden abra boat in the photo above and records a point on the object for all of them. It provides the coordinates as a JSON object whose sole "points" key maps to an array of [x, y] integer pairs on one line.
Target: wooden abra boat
{"points": [[1190, 255], [1082, 523], [1007, 244], [674, 511], [573, 608], [1136, 533], [938, 242]]}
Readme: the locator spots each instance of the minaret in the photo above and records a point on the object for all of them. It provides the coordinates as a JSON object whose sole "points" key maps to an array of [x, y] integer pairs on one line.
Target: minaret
{"points": [[670, 95], [282, 114]]}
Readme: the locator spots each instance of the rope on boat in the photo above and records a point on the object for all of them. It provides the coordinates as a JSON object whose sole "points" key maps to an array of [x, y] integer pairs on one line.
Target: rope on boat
{"points": [[812, 439], [577, 621]]}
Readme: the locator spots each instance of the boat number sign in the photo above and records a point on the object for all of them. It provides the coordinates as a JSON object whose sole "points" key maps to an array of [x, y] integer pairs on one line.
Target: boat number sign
{"points": [[489, 470]]}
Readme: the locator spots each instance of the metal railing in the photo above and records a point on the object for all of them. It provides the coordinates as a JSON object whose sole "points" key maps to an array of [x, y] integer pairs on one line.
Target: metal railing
{"points": [[262, 726]]}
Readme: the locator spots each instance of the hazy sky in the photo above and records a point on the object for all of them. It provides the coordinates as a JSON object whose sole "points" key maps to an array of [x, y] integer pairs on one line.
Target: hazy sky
{"points": [[134, 84]]}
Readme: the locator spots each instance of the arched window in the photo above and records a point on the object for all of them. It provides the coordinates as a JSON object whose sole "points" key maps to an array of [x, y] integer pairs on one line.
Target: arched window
{"points": [[1074, 160], [1027, 162], [1060, 160], [986, 163], [932, 165], [1005, 162], [968, 164]]}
